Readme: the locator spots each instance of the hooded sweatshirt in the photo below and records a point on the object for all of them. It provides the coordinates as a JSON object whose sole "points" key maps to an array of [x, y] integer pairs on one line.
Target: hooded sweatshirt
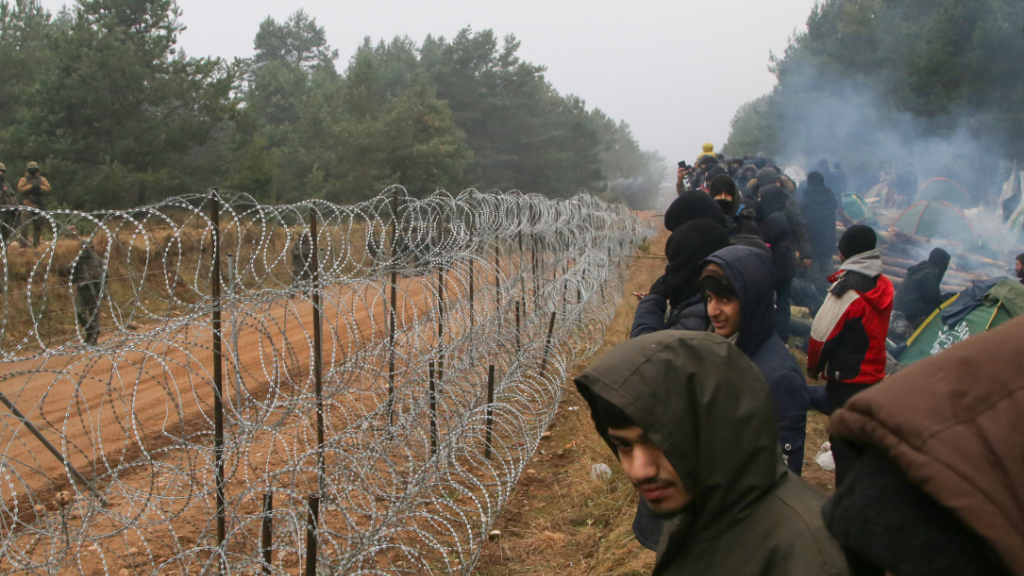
{"points": [[819, 207], [848, 335], [749, 271], [706, 406], [955, 436], [686, 250], [777, 233], [921, 291], [693, 205]]}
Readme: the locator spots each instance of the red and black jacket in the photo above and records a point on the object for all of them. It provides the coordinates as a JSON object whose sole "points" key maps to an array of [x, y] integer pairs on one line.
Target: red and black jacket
{"points": [[848, 334]]}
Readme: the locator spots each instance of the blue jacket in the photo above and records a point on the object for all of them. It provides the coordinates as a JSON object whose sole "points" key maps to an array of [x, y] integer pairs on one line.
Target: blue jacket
{"points": [[650, 316], [750, 272]]}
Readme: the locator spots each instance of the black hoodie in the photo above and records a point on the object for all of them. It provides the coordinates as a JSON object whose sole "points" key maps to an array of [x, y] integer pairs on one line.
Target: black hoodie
{"points": [[776, 231]]}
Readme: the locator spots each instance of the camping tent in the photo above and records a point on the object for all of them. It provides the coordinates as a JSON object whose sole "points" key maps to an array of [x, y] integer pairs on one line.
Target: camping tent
{"points": [[937, 221], [964, 315], [945, 190], [856, 208]]}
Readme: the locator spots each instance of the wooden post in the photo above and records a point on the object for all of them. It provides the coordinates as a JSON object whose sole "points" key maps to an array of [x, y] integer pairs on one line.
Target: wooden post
{"points": [[392, 313], [218, 372], [318, 379], [312, 519], [490, 411], [267, 532]]}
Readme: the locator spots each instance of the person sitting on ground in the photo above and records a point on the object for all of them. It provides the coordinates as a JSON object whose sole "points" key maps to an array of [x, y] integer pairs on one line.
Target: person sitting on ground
{"points": [[738, 290], [779, 236], [921, 292], [937, 486], [679, 286], [690, 419], [848, 335]]}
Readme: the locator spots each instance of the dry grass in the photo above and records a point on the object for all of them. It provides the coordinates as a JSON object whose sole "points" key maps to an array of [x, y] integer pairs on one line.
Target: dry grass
{"points": [[561, 521]]}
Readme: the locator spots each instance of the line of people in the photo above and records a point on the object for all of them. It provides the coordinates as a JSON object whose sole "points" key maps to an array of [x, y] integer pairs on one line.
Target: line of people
{"points": [[706, 408]]}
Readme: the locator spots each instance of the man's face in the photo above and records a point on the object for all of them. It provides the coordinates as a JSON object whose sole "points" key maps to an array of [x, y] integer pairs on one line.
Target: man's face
{"points": [[724, 196], [33, 172], [649, 470], [724, 312]]}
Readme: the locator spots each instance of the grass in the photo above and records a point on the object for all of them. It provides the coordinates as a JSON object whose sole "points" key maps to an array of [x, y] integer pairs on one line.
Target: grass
{"points": [[559, 520]]}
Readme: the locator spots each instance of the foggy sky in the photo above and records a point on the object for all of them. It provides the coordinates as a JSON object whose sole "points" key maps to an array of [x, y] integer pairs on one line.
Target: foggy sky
{"points": [[676, 71]]}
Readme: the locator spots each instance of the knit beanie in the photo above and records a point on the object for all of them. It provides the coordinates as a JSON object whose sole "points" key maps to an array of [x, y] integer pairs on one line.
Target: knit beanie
{"points": [[816, 178], [766, 176], [856, 240], [721, 184], [939, 257]]}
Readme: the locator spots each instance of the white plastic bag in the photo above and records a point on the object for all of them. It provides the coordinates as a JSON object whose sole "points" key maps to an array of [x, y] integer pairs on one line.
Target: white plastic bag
{"points": [[824, 458]]}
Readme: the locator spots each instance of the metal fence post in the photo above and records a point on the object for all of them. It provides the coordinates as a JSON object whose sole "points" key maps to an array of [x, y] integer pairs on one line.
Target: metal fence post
{"points": [[317, 353], [218, 372]]}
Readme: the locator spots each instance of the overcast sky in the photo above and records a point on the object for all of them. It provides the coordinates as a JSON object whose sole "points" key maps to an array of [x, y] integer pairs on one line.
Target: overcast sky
{"points": [[676, 71]]}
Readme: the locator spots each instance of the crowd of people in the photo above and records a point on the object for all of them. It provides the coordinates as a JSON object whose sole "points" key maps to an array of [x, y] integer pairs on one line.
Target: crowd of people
{"points": [[706, 406]]}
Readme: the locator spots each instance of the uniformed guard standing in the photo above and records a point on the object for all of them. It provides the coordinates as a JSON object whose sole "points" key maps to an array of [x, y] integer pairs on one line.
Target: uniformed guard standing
{"points": [[32, 187], [8, 208], [88, 281]]}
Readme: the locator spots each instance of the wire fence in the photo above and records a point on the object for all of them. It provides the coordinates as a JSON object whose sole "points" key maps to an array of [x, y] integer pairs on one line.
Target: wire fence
{"points": [[212, 385]]}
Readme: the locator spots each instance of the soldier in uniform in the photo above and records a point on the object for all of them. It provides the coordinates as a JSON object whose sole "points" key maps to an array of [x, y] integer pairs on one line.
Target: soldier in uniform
{"points": [[302, 255], [8, 208], [88, 280], [32, 187]]}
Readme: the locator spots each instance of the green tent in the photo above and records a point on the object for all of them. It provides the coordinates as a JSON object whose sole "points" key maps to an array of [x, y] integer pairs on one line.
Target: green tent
{"points": [[1004, 301], [856, 208], [937, 221], [945, 190]]}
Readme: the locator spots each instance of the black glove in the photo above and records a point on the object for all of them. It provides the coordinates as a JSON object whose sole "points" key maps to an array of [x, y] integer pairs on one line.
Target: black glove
{"points": [[660, 287]]}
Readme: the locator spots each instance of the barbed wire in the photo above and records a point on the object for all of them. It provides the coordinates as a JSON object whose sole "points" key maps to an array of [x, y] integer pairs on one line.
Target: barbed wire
{"points": [[447, 326]]}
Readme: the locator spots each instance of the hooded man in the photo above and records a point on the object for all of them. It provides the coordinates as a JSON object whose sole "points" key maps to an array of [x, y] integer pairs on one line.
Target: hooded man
{"points": [[693, 205], [679, 287], [33, 187], [847, 344], [747, 173], [738, 292], [939, 479], [8, 208], [741, 219], [690, 419], [921, 292], [767, 177], [819, 207], [777, 233]]}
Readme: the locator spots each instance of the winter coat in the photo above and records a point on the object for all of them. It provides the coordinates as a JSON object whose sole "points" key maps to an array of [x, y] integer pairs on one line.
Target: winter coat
{"points": [[819, 207], [777, 233], [921, 293], [750, 272], [848, 335], [951, 423], [686, 250], [652, 316], [33, 197], [706, 406]]}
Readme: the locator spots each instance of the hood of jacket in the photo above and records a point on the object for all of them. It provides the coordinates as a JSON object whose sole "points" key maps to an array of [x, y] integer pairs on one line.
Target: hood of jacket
{"points": [[693, 205], [868, 265], [706, 405], [750, 272], [772, 199], [686, 249], [955, 435]]}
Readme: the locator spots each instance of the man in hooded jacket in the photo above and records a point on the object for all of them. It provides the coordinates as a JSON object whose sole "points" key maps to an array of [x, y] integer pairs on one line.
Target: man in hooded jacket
{"points": [[741, 219], [777, 233], [686, 250], [939, 480], [767, 177], [693, 205], [746, 274], [690, 419], [921, 291], [819, 206]]}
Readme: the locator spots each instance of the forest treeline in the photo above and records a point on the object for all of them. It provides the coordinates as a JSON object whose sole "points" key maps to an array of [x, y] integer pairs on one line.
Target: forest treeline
{"points": [[118, 115], [881, 79]]}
